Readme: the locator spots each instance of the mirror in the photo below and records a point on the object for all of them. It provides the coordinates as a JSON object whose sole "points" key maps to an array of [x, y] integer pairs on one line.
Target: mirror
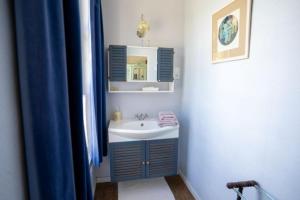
{"points": [[141, 64], [136, 68]]}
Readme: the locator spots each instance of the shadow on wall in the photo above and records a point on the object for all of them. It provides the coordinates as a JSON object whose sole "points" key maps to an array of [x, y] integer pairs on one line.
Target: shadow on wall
{"points": [[12, 164]]}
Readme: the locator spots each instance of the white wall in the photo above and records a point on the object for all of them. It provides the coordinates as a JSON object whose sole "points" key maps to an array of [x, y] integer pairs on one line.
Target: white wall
{"points": [[120, 23], [166, 30], [241, 119], [12, 169]]}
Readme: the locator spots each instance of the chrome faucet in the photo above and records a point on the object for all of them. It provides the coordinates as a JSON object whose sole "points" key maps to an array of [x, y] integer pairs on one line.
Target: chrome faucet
{"points": [[141, 116]]}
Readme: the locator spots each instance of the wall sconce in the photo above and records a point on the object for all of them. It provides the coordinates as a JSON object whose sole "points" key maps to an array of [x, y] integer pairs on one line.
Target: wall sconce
{"points": [[142, 28]]}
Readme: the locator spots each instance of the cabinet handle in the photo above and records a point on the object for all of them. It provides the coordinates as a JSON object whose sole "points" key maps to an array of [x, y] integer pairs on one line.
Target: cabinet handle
{"points": [[148, 163]]}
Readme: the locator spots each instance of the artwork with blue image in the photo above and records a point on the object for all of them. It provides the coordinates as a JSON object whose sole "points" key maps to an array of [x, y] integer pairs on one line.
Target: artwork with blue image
{"points": [[228, 30]]}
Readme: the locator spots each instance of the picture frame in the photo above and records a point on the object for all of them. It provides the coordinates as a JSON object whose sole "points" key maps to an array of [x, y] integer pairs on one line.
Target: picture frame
{"points": [[231, 31]]}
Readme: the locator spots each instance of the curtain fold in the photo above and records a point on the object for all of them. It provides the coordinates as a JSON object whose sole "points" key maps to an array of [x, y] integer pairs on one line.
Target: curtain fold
{"points": [[49, 62], [74, 72], [99, 78]]}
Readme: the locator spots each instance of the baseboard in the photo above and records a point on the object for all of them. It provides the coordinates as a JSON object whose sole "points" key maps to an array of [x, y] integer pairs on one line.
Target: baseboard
{"points": [[103, 179], [189, 186]]}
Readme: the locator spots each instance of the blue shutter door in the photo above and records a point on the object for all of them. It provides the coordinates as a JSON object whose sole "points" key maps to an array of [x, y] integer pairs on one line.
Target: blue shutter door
{"points": [[126, 160], [162, 156], [117, 62], [165, 63]]}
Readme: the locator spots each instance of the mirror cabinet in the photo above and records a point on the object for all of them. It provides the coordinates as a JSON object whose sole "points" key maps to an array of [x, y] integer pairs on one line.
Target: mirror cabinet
{"points": [[134, 69]]}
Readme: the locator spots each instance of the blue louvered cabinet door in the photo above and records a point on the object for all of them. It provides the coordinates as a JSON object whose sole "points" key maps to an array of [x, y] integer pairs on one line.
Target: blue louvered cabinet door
{"points": [[165, 57], [127, 160], [161, 157], [117, 62]]}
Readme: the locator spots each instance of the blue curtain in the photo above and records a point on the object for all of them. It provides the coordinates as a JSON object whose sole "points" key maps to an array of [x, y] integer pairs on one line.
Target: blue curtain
{"points": [[99, 78], [49, 61]]}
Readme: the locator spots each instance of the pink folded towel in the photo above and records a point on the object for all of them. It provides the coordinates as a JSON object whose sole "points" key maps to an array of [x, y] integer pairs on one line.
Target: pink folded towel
{"points": [[167, 119], [166, 115], [163, 124]]}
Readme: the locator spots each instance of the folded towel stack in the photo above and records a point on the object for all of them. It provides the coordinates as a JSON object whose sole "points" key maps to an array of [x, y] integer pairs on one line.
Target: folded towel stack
{"points": [[167, 119], [150, 89]]}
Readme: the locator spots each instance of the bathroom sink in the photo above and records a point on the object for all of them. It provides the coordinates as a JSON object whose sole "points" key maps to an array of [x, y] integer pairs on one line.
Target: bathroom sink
{"points": [[130, 130]]}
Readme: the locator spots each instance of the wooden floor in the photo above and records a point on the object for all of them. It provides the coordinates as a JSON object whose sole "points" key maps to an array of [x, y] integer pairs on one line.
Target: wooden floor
{"points": [[109, 191], [179, 189], [106, 191]]}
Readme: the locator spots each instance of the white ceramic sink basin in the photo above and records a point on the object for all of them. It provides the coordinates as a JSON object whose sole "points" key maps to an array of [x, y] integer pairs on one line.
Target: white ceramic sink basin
{"points": [[129, 130]]}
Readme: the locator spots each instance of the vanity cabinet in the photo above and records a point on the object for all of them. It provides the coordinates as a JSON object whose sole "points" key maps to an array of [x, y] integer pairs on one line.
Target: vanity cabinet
{"points": [[143, 159]]}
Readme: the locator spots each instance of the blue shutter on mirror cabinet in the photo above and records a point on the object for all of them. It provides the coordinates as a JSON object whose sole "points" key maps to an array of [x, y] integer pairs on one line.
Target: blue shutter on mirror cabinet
{"points": [[165, 64], [161, 157], [117, 62], [127, 160]]}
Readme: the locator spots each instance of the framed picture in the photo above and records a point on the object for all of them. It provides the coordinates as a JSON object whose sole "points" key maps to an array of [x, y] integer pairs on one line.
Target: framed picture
{"points": [[231, 31]]}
